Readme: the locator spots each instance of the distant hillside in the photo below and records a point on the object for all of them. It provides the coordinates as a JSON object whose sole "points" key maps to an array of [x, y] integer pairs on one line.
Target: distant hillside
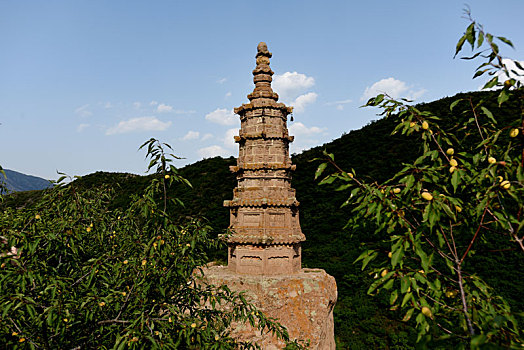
{"points": [[16, 182], [361, 322]]}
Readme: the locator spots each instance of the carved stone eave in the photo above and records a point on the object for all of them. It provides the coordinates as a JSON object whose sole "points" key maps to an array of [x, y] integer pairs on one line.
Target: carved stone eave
{"points": [[257, 104], [264, 202]]}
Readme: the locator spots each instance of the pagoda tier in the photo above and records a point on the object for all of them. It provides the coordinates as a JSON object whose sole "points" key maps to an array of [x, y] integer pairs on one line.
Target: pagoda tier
{"points": [[264, 221]]}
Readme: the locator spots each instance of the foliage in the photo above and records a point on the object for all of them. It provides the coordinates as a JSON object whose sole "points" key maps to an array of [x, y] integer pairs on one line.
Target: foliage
{"points": [[361, 321], [77, 274], [465, 189]]}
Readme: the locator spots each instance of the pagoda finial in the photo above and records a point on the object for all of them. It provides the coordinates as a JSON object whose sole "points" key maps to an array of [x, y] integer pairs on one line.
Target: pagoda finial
{"points": [[262, 75]]}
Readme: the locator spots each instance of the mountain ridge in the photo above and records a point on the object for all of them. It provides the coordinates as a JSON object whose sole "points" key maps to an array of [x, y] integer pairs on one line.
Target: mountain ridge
{"points": [[15, 181]]}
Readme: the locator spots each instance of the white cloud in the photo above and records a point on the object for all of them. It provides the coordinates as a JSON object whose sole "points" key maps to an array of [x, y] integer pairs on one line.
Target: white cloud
{"points": [[138, 124], [339, 104], [137, 105], [229, 138], [302, 101], [207, 137], [222, 116], [299, 129], [82, 111], [213, 151], [181, 111], [394, 88], [153, 103], [222, 81], [81, 127], [306, 137], [164, 108], [291, 84], [228, 94], [191, 135]]}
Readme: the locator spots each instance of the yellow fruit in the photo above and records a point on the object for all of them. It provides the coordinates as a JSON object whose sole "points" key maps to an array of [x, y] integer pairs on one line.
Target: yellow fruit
{"points": [[396, 190], [427, 196], [125, 262], [505, 184], [412, 124], [383, 273], [513, 132], [390, 255], [21, 340], [166, 177], [425, 125], [217, 337], [458, 209], [65, 320], [193, 325], [453, 162], [144, 262], [452, 169], [450, 151], [491, 160], [426, 311], [14, 334], [37, 216], [88, 229], [101, 304]]}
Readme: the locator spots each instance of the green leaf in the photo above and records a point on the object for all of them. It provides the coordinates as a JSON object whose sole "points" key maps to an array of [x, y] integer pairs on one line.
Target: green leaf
{"points": [[470, 34], [491, 83], [397, 255], [505, 41], [408, 315], [320, 170], [368, 259], [454, 103], [503, 96], [455, 178], [423, 258], [393, 297], [488, 113], [460, 43], [406, 298], [480, 39]]}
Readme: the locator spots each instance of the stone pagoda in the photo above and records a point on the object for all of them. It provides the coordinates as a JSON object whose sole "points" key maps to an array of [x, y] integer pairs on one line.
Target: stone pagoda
{"points": [[266, 232], [264, 253]]}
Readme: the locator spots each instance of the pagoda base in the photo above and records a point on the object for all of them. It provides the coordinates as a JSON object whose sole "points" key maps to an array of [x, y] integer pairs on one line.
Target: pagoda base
{"points": [[274, 259], [303, 302]]}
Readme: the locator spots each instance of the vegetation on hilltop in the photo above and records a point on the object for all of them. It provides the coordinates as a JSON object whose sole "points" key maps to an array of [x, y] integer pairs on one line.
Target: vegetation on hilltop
{"points": [[361, 322], [78, 272], [440, 217]]}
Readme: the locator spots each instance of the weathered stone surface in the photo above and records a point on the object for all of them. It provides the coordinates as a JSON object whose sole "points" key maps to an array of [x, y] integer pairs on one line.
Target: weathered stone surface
{"points": [[264, 252], [303, 302], [264, 219]]}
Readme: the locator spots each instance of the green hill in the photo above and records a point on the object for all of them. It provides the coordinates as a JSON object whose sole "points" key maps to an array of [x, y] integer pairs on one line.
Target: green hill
{"points": [[361, 322]]}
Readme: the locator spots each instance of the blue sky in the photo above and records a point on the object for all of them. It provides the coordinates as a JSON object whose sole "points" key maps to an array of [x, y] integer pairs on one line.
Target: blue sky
{"points": [[84, 83]]}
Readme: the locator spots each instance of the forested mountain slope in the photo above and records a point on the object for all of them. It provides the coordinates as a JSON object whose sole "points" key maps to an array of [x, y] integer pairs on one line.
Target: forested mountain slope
{"points": [[361, 322]]}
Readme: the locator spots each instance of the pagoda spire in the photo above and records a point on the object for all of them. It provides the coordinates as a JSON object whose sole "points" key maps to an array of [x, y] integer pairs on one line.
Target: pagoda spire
{"points": [[264, 221], [262, 75]]}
